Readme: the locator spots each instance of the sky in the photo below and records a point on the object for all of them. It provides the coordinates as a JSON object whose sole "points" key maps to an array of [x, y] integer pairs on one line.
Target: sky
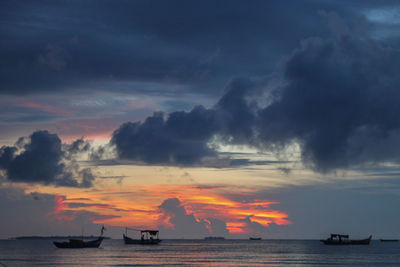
{"points": [[272, 119]]}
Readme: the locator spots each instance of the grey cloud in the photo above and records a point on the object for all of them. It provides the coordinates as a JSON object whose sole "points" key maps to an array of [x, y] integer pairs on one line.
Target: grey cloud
{"points": [[218, 227], [339, 103], [87, 177], [236, 111], [184, 224], [36, 196], [41, 159], [6, 156], [78, 145], [41, 216], [57, 46], [248, 162], [254, 227], [181, 138]]}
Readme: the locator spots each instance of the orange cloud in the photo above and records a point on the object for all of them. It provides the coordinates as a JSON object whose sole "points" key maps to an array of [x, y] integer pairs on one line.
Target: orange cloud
{"points": [[237, 227], [138, 206], [59, 208]]}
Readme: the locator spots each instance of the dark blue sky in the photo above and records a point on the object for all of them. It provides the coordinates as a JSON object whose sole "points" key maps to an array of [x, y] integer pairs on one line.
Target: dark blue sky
{"points": [[180, 46]]}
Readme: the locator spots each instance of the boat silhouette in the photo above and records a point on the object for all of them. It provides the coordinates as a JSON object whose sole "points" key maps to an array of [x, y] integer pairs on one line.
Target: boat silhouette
{"points": [[338, 239], [148, 237], [80, 243]]}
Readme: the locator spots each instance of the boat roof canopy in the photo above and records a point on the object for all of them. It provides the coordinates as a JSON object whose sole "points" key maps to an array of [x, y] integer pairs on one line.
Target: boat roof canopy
{"points": [[339, 235], [151, 232]]}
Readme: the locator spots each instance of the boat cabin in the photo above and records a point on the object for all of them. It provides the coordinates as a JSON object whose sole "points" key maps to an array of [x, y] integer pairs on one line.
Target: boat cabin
{"points": [[149, 234], [147, 237], [339, 237]]}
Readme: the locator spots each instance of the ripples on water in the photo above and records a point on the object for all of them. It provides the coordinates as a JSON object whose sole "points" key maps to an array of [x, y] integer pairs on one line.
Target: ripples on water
{"points": [[199, 252]]}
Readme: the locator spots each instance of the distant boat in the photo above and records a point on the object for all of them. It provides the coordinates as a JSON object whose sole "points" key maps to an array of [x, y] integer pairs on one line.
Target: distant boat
{"points": [[80, 243], [389, 240], [255, 238], [214, 238], [337, 239], [148, 237]]}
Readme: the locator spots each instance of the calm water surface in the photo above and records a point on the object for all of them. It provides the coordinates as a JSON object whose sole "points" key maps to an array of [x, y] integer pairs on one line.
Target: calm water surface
{"points": [[200, 252]]}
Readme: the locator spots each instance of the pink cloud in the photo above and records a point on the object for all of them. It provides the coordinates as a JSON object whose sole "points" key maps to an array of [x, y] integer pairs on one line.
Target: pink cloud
{"points": [[44, 107]]}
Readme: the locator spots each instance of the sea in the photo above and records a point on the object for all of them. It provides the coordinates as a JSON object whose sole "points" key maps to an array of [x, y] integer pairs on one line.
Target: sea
{"points": [[114, 252]]}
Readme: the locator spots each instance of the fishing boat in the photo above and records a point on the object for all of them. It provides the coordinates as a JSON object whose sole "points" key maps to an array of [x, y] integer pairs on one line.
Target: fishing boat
{"points": [[254, 238], [338, 239], [389, 240], [80, 243], [148, 237]]}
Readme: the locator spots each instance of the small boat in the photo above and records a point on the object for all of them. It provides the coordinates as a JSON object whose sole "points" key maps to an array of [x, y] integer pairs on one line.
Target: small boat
{"points": [[148, 237], [80, 243], [337, 239], [254, 238], [389, 240]]}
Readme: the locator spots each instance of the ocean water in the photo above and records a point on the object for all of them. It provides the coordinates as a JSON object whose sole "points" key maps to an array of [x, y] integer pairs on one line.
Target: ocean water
{"points": [[200, 253]]}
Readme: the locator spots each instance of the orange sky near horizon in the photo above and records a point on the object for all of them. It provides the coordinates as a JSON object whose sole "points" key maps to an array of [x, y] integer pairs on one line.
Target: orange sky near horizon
{"points": [[139, 206]]}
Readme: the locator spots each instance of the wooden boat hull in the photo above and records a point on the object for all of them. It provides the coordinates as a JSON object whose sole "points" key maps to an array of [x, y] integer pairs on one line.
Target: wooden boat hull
{"points": [[130, 241], [255, 238], [78, 243], [347, 242]]}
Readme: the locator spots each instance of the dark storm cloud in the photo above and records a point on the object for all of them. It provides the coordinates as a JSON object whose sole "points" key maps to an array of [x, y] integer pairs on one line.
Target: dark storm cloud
{"points": [[56, 46], [41, 159], [6, 156], [340, 103], [235, 112], [180, 138], [337, 98]]}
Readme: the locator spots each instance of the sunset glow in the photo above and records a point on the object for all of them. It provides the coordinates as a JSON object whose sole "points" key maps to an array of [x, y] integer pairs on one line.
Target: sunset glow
{"points": [[143, 210]]}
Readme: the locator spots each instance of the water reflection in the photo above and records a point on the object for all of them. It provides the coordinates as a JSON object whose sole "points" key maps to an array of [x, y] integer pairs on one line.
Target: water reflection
{"points": [[198, 252]]}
